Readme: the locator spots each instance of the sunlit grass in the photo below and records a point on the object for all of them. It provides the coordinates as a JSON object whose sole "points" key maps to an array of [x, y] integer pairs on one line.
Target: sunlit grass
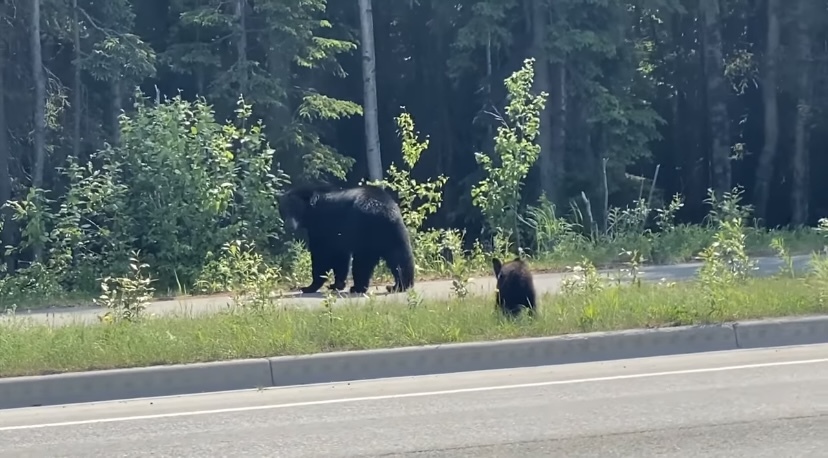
{"points": [[31, 348]]}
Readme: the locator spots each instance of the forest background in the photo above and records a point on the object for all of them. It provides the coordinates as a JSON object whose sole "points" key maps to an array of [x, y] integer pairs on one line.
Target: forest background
{"points": [[163, 128]]}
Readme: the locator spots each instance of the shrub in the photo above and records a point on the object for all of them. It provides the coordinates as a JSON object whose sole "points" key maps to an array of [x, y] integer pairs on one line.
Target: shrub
{"points": [[178, 187]]}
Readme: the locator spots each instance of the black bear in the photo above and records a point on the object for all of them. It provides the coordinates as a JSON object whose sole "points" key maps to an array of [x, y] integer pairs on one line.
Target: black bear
{"points": [[515, 288], [362, 221]]}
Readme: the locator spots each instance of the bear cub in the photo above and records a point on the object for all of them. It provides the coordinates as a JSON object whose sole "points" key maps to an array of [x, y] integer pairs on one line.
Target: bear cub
{"points": [[515, 288]]}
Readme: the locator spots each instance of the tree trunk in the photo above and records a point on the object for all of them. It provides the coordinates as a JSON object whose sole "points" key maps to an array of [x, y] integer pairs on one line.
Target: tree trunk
{"points": [[767, 157], [369, 87], [77, 113], [39, 80], [39, 107], [540, 15], [7, 235], [800, 179], [557, 154], [241, 45], [718, 121], [279, 117], [115, 108], [488, 142]]}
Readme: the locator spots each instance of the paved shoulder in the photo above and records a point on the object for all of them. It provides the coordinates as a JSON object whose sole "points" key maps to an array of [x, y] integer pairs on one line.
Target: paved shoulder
{"points": [[748, 403]]}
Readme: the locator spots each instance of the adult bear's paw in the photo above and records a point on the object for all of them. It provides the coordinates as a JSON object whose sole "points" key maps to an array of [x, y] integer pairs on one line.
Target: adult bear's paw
{"points": [[395, 288], [358, 289], [337, 286]]}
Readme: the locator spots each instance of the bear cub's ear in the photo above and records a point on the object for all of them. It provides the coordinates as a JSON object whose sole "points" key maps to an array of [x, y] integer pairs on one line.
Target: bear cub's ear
{"points": [[496, 265]]}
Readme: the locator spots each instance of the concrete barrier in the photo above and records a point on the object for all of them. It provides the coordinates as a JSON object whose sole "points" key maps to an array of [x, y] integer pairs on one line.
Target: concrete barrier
{"points": [[782, 332], [107, 385], [411, 361], [504, 354]]}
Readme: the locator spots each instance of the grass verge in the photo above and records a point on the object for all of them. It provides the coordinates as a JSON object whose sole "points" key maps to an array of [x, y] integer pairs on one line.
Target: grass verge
{"points": [[684, 245], [34, 349]]}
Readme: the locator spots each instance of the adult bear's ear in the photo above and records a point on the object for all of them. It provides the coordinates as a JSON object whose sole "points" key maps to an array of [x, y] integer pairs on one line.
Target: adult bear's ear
{"points": [[313, 199]]}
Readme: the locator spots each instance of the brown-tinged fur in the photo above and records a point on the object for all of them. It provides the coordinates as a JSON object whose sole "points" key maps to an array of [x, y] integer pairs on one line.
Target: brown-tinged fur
{"points": [[515, 288]]}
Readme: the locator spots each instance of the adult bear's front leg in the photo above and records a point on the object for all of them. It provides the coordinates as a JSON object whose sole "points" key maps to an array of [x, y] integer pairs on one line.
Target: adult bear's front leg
{"points": [[319, 268], [363, 269], [340, 264]]}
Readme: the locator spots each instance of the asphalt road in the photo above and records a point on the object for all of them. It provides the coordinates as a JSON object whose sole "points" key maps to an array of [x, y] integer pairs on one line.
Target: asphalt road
{"points": [[544, 283], [746, 403]]}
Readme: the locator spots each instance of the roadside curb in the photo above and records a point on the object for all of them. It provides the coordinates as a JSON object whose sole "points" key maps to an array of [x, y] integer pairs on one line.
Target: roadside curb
{"points": [[118, 384]]}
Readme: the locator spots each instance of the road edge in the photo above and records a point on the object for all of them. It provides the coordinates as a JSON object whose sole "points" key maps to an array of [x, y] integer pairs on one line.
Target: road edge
{"points": [[122, 384]]}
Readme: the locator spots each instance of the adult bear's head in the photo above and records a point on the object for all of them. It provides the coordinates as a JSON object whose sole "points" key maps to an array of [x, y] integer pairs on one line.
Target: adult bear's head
{"points": [[295, 204]]}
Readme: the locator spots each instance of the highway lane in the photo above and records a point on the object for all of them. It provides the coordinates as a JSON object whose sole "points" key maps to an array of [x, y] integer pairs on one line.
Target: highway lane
{"points": [[544, 283], [744, 403]]}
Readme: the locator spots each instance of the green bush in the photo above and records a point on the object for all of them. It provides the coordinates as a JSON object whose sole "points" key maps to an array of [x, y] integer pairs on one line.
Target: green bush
{"points": [[178, 187]]}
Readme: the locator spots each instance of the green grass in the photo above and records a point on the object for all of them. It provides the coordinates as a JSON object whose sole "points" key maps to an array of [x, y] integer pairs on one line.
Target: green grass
{"points": [[31, 349]]}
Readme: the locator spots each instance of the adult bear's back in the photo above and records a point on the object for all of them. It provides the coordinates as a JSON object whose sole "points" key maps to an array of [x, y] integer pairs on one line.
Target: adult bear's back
{"points": [[367, 199], [356, 212]]}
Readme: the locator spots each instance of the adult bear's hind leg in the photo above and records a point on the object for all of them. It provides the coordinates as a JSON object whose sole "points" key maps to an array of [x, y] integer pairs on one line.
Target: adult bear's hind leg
{"points": [[396, 271], [363, 269], [401, 265]]}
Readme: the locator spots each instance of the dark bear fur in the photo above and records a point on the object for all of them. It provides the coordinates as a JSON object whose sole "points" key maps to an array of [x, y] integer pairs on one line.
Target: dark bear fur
{"points": [[515, 288], [362, 221]]}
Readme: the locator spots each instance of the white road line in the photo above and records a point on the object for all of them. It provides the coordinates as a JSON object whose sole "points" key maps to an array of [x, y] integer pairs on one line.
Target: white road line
{"points": [[415, 395]]}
